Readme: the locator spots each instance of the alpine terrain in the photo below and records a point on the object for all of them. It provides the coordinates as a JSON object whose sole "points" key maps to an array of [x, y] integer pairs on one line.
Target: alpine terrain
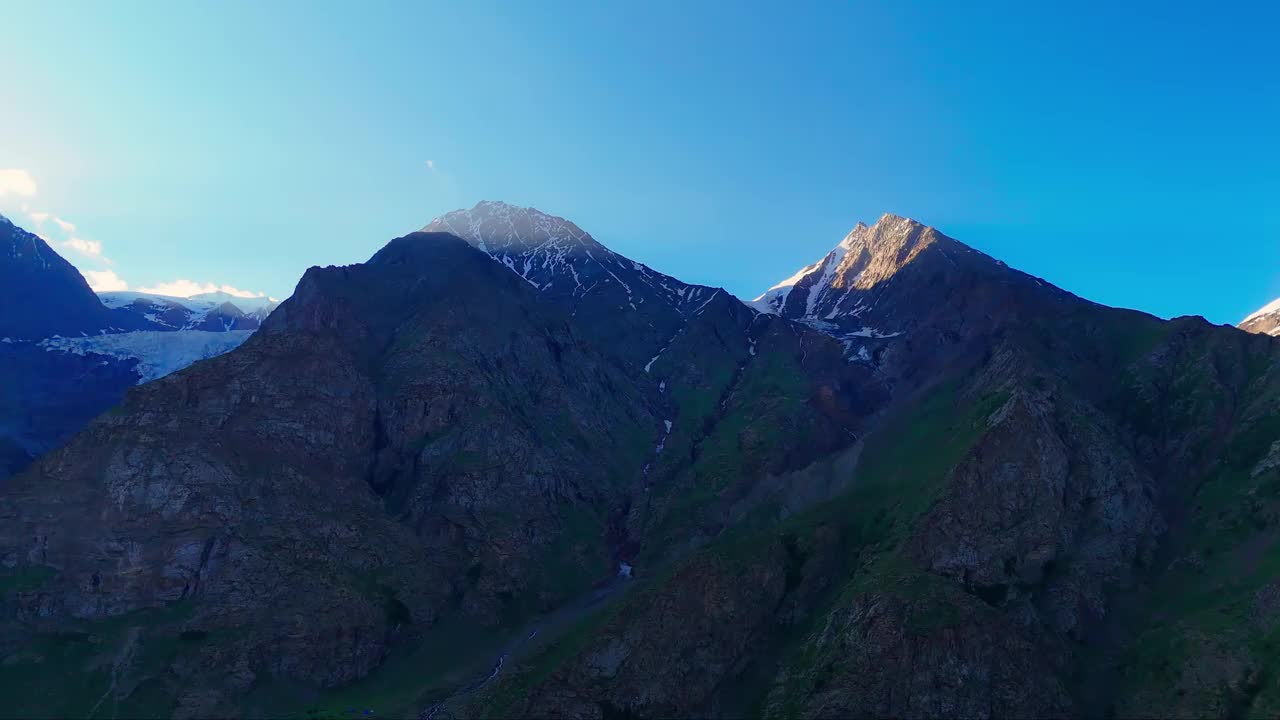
{"points": [[499, 470]]}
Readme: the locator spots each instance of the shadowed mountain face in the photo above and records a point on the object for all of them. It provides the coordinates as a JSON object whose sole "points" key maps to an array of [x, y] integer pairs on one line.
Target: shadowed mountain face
{"points": [[47, 396], [941, 488], [41, 294]]}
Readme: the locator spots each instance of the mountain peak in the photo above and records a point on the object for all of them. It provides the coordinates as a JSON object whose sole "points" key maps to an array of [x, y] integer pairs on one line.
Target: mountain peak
{"points": [[1265, 321], [867, 256], [496, 227], [895, 218], [636, 307], [41, 294]]}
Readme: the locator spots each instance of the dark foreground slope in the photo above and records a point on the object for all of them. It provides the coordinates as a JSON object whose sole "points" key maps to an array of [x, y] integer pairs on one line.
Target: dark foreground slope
{"points": [[422, 486]]}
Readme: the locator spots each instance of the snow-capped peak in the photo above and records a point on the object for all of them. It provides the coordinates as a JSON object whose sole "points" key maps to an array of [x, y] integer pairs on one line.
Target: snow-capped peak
{"points": [[840, 294], [1265, 321], [495, 226], [559, 258], [874, 251], [207, 311], [1268, 309]]}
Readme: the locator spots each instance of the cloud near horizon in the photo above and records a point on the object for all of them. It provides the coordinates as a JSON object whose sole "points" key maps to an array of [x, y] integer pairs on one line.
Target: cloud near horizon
{"points": [[90, 248], [182, 287], [61, 234], [104, 280]]}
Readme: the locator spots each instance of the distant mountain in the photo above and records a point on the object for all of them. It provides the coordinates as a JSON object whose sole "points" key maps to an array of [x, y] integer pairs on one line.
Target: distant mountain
{"points": [[1265, 321], [213, 312]]}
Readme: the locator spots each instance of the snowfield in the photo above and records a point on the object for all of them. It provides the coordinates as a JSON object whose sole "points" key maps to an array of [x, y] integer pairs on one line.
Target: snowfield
{"points": [[158, 352]]}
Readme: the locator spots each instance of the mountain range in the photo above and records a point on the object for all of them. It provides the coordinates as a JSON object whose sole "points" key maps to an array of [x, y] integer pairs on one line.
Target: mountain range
{"points": [[213, 311], [499, 470]]}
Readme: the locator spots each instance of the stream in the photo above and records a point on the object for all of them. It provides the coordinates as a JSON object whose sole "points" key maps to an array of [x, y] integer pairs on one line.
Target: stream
{"points": [[549, 626]]}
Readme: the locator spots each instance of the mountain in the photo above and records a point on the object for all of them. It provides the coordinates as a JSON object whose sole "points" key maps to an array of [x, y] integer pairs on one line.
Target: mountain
{"points": [[440, 483], [629, 305], [211, 312], [1265, 320], [41, 294], [910, 301], [46, 397]]}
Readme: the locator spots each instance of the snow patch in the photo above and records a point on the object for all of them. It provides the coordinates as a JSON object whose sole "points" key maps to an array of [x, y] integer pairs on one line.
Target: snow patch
{"points": [[867, 332]]}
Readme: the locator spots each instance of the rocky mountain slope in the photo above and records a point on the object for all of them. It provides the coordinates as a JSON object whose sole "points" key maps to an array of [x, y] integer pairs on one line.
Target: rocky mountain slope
{"points": [[1265, 321], [444, 483]]}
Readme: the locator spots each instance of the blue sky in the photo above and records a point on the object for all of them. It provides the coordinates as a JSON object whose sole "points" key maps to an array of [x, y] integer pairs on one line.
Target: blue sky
{"points": [[1129, 155]]}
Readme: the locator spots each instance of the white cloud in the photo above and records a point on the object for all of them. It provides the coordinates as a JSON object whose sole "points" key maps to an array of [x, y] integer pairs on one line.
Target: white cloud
{"points": [[61, 234], [186, 288], [92, 248], [431, 165], [40, 217], [104, 280], [18, 182]]}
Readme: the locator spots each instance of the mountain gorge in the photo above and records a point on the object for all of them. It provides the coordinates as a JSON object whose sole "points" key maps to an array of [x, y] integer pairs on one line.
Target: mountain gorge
{"points": [[499, 470]]}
